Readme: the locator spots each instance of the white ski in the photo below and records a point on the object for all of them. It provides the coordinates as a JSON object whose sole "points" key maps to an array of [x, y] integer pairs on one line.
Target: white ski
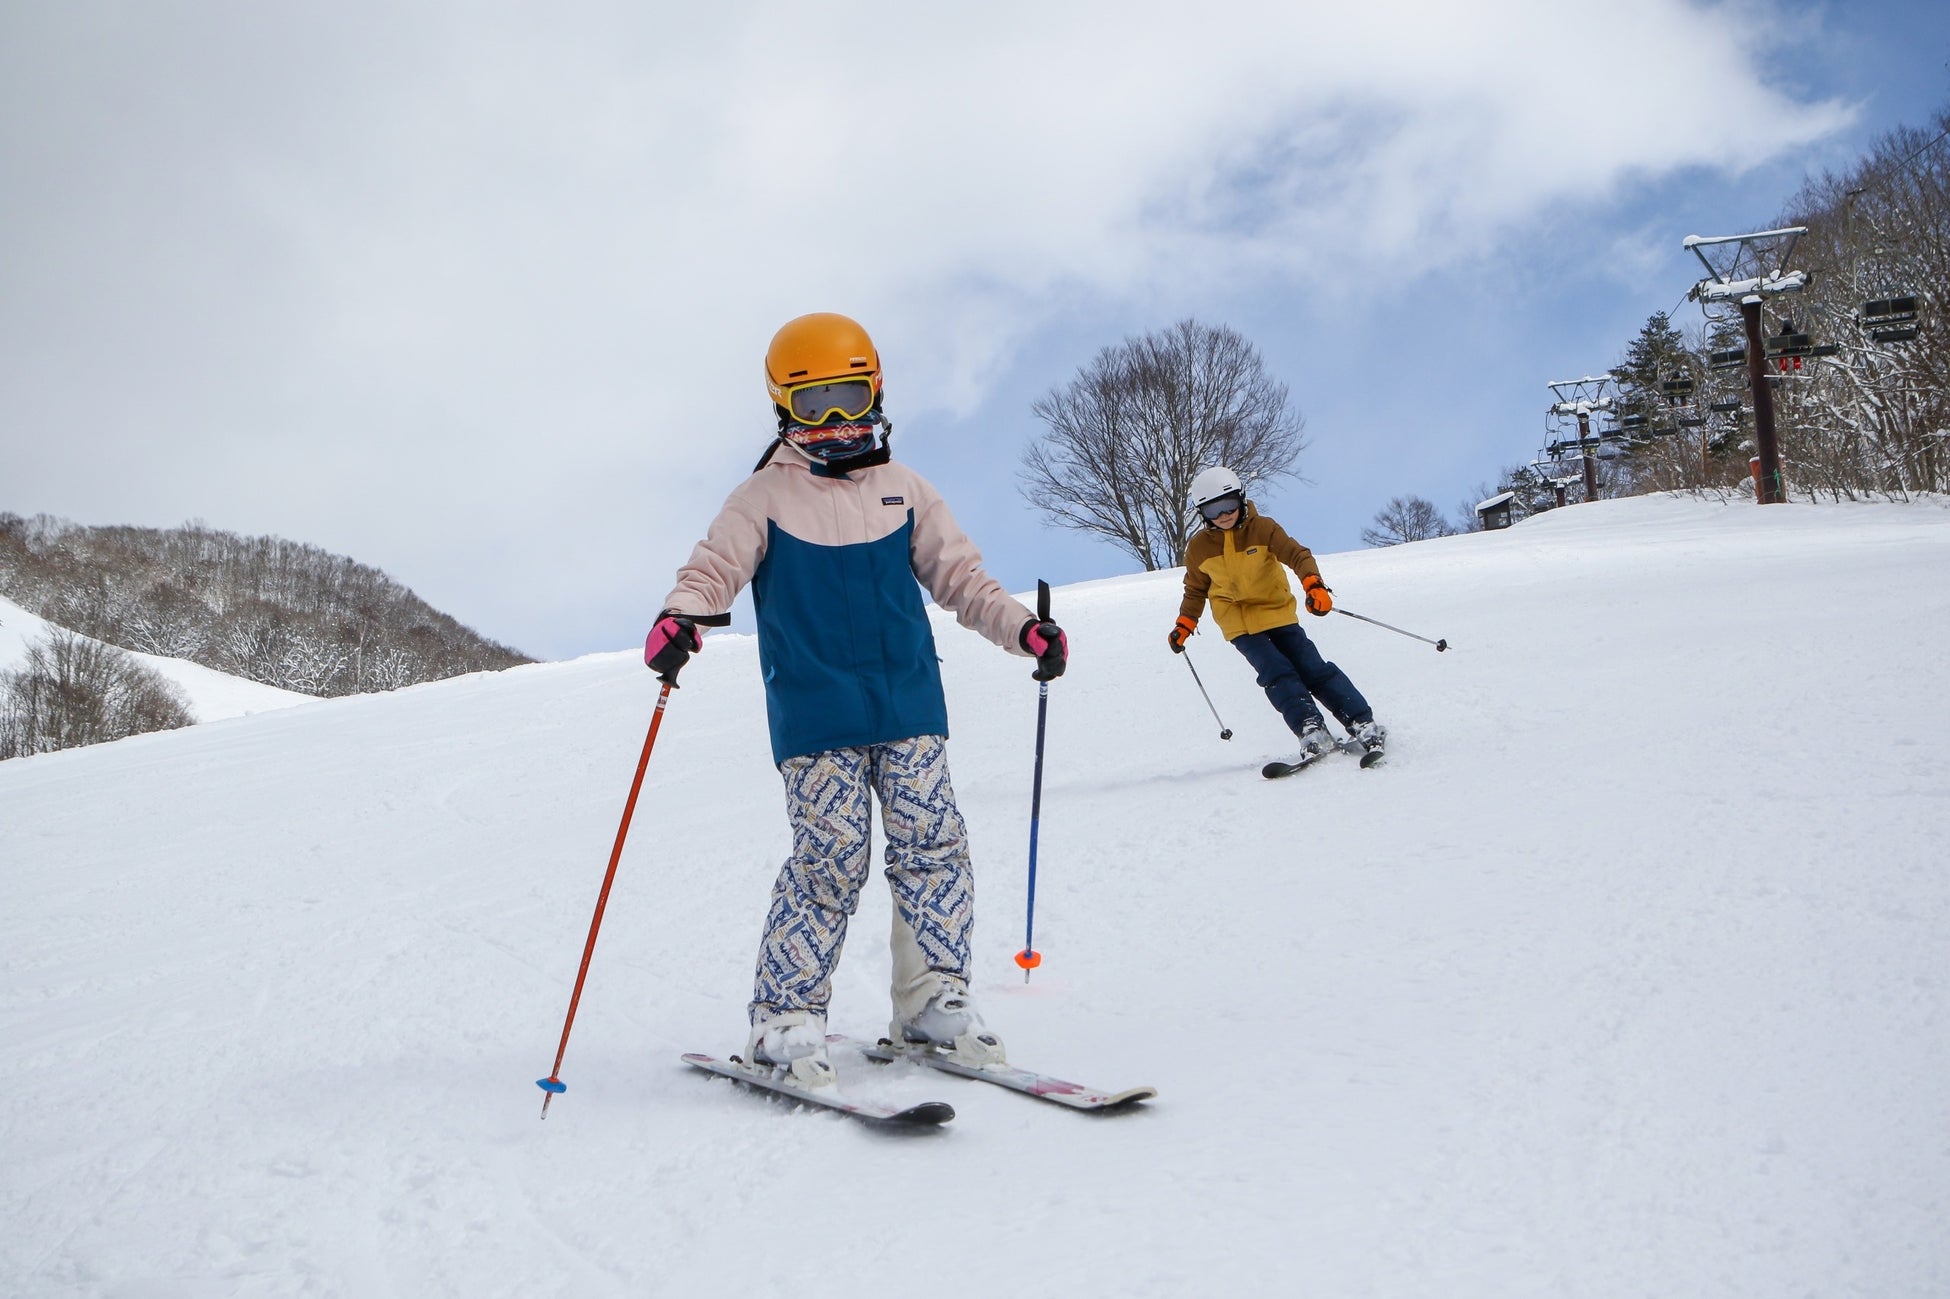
{"points": [[925, 1114], [1043, 1086]]}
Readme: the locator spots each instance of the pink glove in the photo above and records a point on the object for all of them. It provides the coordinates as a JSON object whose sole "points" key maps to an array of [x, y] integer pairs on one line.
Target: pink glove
{"points": [[672, 640], [1049, 644]]}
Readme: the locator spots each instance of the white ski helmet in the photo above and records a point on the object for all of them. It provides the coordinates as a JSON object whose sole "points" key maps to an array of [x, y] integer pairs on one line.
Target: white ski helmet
{"points": [[1213, 484]]}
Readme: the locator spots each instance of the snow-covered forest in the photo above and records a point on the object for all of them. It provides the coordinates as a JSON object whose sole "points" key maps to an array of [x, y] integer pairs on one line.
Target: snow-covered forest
{"points": [[278, 612]]}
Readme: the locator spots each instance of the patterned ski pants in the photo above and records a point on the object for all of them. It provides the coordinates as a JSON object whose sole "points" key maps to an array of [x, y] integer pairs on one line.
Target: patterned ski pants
{"points": [[829, 803]]}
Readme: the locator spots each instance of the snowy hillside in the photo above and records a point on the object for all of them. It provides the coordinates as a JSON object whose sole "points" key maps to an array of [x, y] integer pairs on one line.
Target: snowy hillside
{"points": [[1627, 976], [211, 695]]}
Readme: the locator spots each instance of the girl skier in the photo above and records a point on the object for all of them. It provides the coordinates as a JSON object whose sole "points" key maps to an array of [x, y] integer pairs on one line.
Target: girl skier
{"points": [[1235, 562], [833, 536]]}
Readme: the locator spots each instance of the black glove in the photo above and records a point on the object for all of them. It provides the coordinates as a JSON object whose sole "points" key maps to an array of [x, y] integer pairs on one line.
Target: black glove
{"points": [[1051, 647]]}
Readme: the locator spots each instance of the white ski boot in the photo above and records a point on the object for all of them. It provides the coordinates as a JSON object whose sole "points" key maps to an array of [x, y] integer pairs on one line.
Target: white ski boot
{"points": [[950, 1025], [793, 1044], [1372, 736], [1314, 741]]}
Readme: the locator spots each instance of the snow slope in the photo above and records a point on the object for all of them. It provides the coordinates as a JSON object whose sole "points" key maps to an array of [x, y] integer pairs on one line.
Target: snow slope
{"points": [[1627, 976], [211, 695]]}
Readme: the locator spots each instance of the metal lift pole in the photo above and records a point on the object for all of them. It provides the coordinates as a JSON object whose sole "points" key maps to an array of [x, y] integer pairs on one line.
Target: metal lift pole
{"points": [[1590, 460], [1771, 487]]}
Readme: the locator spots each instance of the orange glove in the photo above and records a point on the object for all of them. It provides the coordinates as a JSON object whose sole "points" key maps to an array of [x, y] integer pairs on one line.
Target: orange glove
{"points": [[1180, 631], [1320, 600]]}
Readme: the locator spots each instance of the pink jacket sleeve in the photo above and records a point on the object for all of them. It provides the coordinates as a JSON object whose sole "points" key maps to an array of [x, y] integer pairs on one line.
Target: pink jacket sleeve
{"points": [[722, 563], [949, 566]]}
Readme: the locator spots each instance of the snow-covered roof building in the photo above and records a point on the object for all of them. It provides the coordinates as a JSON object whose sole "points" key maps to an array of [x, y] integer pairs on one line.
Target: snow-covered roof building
{"points": [[1495, 512]]}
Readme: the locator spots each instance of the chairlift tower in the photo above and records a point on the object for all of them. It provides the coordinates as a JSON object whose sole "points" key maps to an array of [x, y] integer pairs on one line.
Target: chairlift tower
{"points": [[1580, 398], [1753, 268]]}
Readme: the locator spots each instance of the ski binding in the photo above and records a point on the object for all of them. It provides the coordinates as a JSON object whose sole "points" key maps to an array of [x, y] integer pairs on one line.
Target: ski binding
{"points": [[927, 1114]]}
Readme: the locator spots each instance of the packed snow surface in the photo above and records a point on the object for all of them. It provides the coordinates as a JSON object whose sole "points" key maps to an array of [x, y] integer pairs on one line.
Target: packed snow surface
{"points": [[1626, 976]]}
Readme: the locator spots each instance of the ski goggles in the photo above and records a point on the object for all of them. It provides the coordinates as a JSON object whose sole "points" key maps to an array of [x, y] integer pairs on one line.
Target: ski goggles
{"points": [[1218, 507], [826, 399]]}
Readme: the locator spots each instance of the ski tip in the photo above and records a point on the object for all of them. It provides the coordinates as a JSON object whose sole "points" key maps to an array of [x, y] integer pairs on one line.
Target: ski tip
{"points": [[553, 1086]]}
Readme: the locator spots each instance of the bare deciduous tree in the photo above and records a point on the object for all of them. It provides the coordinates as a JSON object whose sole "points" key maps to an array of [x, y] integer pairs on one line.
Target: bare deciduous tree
{"points": [[71, 691], [1128, 434], [1405, 518]]}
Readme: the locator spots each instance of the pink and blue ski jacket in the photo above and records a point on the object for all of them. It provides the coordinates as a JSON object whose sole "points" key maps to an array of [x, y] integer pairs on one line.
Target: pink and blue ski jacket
{"points": [[843, 636]]}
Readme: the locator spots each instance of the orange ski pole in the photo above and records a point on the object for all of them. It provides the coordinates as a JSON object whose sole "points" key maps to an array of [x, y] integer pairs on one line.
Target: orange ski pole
{"points": [[553, 1084]]}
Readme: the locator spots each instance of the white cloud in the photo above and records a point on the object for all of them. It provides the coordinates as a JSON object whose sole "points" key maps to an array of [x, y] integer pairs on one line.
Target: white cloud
{"points": [[509, 253]]}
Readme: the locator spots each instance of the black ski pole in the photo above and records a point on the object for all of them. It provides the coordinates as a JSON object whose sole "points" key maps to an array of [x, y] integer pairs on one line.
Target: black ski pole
{"points": [[1029, 958], [1225, 732], [1440, 645]]}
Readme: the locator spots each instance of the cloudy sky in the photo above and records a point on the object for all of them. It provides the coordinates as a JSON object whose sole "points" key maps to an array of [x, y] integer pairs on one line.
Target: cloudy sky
{"points": [[478, 293]]}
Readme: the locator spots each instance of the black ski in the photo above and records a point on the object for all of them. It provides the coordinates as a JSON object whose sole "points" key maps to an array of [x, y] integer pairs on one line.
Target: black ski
{"points": [[1354, 748], [1281, 770]]}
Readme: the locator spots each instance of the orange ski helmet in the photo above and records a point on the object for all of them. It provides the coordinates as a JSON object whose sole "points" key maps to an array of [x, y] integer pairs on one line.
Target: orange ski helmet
{"points": [[811, 352]]}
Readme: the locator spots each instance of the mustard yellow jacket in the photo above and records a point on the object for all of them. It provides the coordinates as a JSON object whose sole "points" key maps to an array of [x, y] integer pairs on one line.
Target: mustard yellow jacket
{"points": [[1239, 571]]}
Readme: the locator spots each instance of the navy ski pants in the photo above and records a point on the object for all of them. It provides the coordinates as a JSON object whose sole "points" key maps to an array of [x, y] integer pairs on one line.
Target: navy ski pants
{"points": [[1293, 673]]}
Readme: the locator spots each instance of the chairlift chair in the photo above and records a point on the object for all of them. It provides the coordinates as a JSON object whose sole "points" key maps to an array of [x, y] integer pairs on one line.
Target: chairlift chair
{"points": [[1790, 348], [1890, 320]]}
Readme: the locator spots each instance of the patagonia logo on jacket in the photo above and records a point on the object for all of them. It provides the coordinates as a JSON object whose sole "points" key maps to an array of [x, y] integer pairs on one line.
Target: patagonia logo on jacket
{"points": [[893, 500]]}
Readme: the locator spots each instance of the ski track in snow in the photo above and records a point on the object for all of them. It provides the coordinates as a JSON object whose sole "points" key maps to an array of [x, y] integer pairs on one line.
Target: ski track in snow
{"points": [[1625, 976]]}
